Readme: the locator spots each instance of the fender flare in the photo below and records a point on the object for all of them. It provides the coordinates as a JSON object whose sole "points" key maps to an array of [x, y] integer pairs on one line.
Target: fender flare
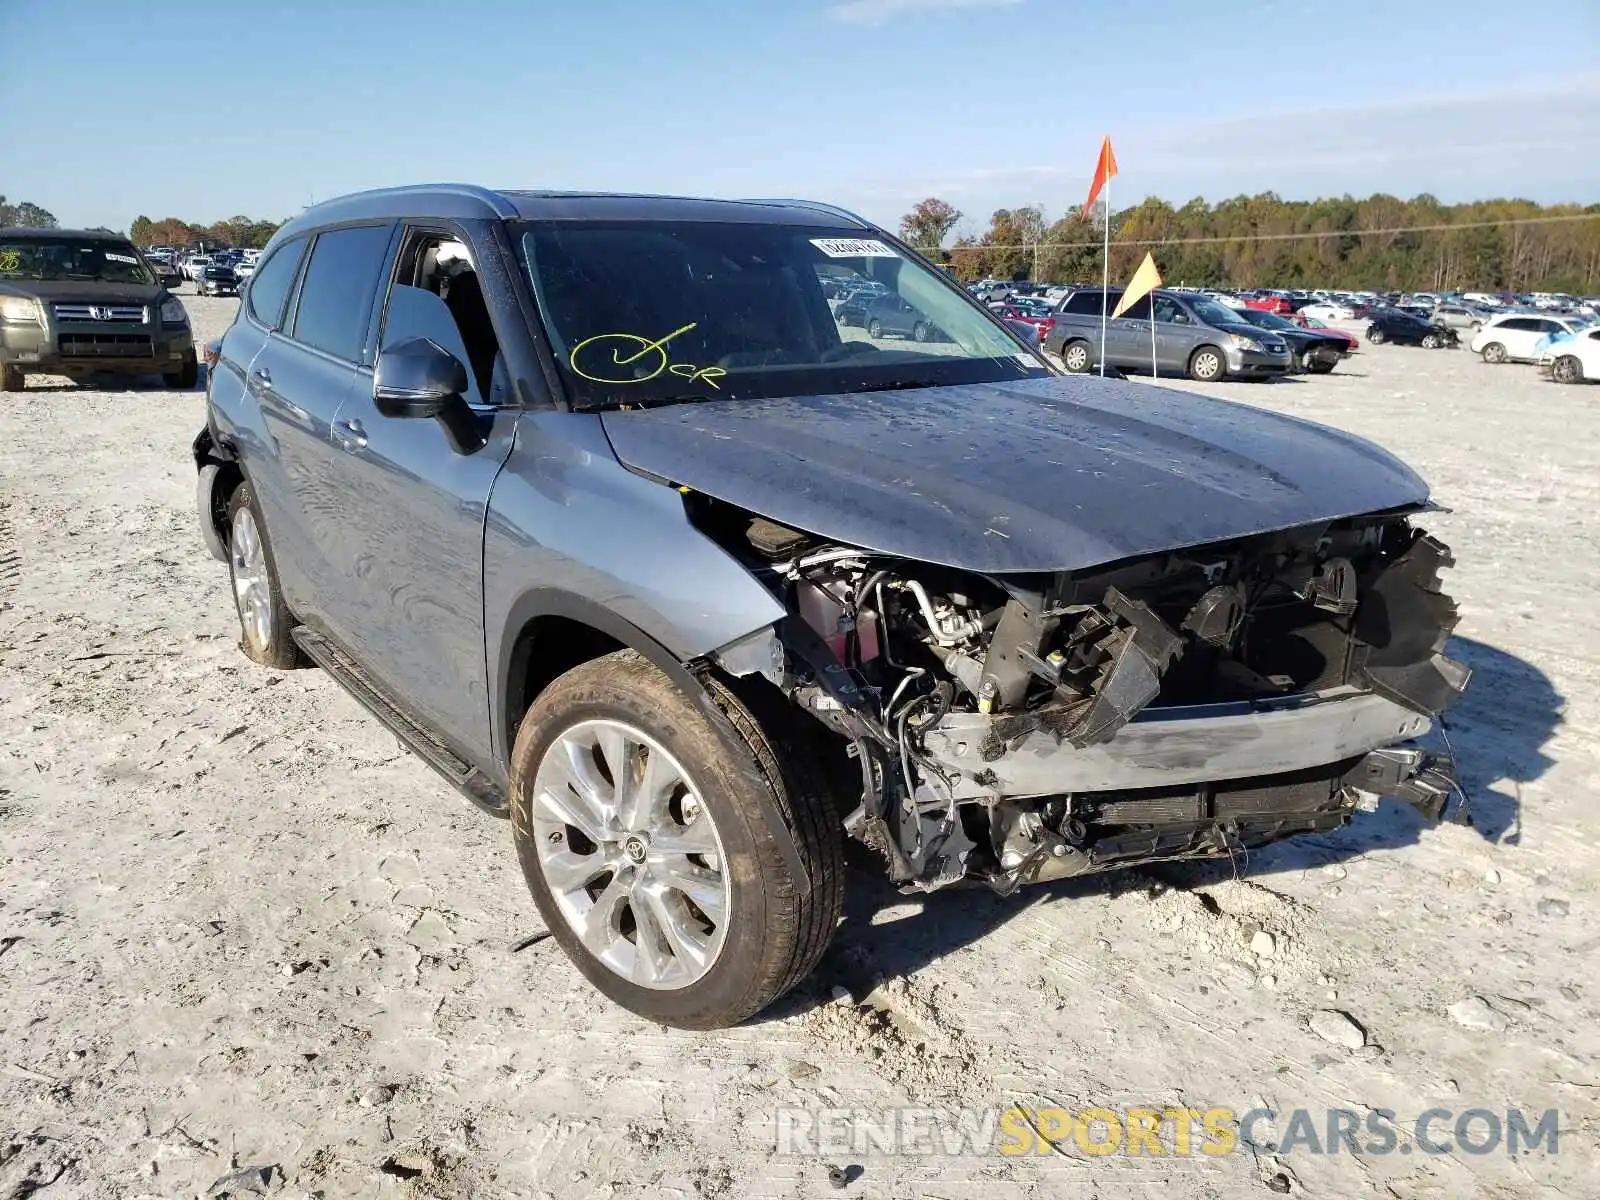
{"points": [[555, 602]]}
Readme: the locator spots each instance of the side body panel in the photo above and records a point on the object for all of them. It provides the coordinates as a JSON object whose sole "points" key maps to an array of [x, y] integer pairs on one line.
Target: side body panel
{"points": [[571, 530]]}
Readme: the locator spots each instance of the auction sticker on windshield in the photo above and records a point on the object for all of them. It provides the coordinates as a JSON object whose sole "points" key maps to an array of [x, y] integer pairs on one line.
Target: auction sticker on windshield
{"points": [[853, 248]]}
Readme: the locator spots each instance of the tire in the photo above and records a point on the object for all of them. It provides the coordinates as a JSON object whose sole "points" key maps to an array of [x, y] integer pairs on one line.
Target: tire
{"points": [[920, 332], [875, 329], [1207, 364], [185, 377], [1431, 341], [1322, 368], [12, 379], [775, 925], [1308, 361], [264, 619], [1567, 369], [1377, 336], [1076, 357], [1494, 352]]}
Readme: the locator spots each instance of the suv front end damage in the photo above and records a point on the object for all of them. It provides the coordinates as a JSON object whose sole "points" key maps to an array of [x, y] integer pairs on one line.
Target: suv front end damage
{"points": [[1009, 729]]}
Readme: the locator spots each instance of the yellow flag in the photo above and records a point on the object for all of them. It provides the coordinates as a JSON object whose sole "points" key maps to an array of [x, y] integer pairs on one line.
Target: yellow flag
{"points": [[1145, 280]]}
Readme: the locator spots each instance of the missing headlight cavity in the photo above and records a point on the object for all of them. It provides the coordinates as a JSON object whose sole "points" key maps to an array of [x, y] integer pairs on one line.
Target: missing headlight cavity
{"points": [[1007, 728]]}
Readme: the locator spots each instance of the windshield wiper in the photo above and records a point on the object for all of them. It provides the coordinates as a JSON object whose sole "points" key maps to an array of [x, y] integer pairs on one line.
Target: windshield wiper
{"points": [[903, 385]]}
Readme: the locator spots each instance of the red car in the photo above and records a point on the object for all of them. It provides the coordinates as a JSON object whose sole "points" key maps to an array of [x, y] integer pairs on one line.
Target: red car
{"points": [[1271, 304], [1037, 316]]}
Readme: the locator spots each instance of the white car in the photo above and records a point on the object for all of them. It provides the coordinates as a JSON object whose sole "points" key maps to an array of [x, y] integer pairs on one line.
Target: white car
{"points": [[1514, 337], [245, 268], [1329, 310], [1574, 361]]}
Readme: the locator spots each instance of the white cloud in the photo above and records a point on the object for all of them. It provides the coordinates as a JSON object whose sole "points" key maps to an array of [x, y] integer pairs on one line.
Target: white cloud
{"points": [[877, 12]]}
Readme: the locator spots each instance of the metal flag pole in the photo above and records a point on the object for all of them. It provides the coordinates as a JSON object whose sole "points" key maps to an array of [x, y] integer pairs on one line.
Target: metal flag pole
{"points": [[1105, 278], [1155, 372]]}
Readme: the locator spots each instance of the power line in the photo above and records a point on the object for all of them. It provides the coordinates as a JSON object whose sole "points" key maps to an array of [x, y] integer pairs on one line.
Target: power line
{"points": [[1279, 237]]}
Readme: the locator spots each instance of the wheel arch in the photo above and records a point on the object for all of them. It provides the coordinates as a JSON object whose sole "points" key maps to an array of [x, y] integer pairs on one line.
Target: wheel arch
{"points": [[549, 631]]}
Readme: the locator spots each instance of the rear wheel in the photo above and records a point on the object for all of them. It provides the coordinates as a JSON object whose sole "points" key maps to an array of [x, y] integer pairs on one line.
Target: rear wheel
{"points": [[644, 824], [1377, 336], [12, 379], [1075, 357], [920, 331], [1207, 364], [1494, 352], [1567, 369], [874, 328], [264, 619], [1431, 341]]}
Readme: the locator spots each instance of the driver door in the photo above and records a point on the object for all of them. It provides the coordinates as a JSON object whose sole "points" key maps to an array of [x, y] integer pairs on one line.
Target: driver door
{"points": [[416, 502]]}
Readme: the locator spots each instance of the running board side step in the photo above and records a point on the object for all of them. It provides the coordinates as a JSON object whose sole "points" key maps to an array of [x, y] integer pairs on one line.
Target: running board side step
{"points": [[464, 777]]}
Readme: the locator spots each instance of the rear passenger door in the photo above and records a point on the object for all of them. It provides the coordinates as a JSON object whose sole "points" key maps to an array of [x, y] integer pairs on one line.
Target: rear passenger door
{"points": [[300, 379], [414, 502]]}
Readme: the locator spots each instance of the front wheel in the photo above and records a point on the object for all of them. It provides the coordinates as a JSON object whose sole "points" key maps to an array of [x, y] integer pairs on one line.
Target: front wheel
{"points": [[875, 328], [1567, 369], [1207, 364], [1377, 336], [264, 619], [920, 332], [12, 379], [648, 823]]}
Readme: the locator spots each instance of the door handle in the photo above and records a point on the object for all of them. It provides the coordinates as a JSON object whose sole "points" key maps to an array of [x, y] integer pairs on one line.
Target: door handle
{"points": [[263, 374], [350, 435]]}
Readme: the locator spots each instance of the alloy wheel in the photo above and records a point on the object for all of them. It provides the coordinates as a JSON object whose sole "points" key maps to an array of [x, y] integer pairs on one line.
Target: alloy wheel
{"points": [[630, 853], [252, 587]]}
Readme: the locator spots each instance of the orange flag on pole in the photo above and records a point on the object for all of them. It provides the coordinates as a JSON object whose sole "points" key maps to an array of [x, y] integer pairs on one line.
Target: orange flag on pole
{"points": [[1103, 171]]}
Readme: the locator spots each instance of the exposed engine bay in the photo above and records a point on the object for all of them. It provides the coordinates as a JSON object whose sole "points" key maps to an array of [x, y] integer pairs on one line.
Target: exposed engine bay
{"points": [[1196, 703]]}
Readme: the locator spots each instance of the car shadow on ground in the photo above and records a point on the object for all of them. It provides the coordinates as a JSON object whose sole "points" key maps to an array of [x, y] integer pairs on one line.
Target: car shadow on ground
{"points": [[1498, 734], [112, 383]]}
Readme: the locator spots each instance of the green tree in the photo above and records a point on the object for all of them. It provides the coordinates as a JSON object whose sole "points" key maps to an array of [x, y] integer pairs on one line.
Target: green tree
{"points": [[27, 215], [926, 225]]}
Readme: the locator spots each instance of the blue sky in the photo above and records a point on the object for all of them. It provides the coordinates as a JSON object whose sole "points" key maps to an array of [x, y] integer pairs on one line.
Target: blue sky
{"points": [[206, 108]]}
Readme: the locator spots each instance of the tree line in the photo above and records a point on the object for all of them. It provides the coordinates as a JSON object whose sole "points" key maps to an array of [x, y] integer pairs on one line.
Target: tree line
{"points": [[1265, 241], [241, 232]]}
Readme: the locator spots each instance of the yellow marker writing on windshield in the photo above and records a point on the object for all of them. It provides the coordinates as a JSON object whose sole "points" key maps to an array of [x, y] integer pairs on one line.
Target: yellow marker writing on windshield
{"points": [[636, 348]]}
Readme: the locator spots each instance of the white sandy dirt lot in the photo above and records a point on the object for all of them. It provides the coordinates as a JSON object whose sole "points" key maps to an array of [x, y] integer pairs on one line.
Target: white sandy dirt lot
{"points": [[239, 928]]}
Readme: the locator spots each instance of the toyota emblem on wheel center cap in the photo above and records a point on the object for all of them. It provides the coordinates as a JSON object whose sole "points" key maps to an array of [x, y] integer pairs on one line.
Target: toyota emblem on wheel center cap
{"points": [[634, 848]]}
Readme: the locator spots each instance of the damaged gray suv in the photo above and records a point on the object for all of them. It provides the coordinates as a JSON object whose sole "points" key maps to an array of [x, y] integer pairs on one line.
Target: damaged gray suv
{"points": [[591, 500]]}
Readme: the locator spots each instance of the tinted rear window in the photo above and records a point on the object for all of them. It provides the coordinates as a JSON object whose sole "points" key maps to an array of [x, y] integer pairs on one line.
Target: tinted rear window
{"points": [[1087, 302], [269, 286]]}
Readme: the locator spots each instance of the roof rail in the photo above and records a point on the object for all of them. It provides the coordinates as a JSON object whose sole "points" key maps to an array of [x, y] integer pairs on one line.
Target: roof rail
{"points": [[497, 204], [815, 206]]}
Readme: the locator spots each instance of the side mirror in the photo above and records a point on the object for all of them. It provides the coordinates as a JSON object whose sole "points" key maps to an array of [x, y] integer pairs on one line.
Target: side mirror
{"points": [[417, 378]]}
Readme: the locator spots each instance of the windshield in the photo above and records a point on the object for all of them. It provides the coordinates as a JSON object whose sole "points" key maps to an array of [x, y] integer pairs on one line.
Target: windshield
{"points": [[72, 258], [1265, 319], [1213, 313], [685, 310]]}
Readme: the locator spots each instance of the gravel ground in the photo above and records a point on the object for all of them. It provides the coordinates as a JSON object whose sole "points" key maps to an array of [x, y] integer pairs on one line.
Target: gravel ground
{"points": [[239, 927]]}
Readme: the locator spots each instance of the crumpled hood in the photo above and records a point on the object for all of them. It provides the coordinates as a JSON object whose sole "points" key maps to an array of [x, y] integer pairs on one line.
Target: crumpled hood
{"points": [[1041, 475]]}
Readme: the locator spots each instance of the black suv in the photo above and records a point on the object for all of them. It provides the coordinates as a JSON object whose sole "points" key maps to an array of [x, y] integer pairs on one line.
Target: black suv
{"points": [[594, 503], [79, 303]]}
